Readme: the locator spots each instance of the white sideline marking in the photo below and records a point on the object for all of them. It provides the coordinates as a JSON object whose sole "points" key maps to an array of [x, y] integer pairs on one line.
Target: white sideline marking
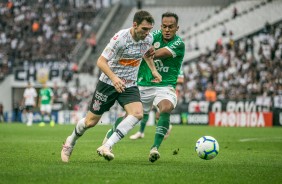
{"points": [[272, 139]]}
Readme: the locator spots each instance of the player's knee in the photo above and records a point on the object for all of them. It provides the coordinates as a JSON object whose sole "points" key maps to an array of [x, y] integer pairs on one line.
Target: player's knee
{"points": [[91, 120], [166, 109], [138, 115], [165, 106], [136, 112]]}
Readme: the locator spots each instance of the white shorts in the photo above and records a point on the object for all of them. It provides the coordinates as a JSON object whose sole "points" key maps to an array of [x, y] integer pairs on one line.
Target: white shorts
{"points": [[153, 95], [46, 108]]}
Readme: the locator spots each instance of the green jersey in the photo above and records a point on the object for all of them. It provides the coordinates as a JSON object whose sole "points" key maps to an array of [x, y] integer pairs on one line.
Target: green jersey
{"points": [[169, 68], [46, 95]]}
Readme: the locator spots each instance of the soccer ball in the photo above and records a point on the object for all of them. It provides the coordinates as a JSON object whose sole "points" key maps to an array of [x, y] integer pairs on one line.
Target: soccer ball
{"points": [[207, 147]]}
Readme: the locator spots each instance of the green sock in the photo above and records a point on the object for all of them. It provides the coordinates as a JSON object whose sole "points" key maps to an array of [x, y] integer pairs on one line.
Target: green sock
{"points": [[143, 122], [162, 127], [114, 127], [156, 121]]}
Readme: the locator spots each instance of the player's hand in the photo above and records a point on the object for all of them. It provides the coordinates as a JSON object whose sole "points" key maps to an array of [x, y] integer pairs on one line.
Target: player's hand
{"points": [[158, 77], [150, 53], [119, 84]]}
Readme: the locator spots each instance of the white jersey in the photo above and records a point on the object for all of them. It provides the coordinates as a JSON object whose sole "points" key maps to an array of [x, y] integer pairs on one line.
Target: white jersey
{"points": [[124, 56], [29, 95]]}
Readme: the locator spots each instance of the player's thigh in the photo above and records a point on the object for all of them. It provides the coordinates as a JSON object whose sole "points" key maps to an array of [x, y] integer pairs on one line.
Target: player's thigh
{"points": [[148, 95], [103, 98], [165, 93], [130, 101], [43, 108], [48, 108], [91, 119], [135, 109]]}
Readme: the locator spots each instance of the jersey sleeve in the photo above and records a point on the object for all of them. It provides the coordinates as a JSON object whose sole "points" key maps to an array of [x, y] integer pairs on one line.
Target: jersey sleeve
{"points": [[176, 48], [113, 46], [181, 73]]}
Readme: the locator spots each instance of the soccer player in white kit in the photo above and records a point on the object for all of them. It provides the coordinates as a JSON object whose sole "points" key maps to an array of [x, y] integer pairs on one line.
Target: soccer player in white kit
{"points": [[119, 63], [29, 102]]}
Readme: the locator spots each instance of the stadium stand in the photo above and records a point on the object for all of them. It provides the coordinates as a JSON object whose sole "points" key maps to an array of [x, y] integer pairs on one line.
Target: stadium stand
{"points": [[244, 69], [222, 15], [250, 19], [46, 30], [37, 34], [189, 15]]}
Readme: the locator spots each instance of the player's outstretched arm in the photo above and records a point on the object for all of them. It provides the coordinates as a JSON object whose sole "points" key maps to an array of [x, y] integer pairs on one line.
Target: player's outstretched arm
{"points": [[150, 52], [155, 73], [162, 53], [102, 63]]}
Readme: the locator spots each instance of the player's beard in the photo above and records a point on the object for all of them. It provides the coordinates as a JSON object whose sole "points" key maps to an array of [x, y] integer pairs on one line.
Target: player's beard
{"points": [[139, 36]]}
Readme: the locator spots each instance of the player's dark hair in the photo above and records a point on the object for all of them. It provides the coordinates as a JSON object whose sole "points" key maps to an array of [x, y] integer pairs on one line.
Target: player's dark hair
{"points": [[170, 14], [143, 15]]}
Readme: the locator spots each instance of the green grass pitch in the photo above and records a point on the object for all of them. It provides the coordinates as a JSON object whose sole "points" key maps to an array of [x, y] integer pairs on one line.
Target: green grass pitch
{"points": [[246, 155]]}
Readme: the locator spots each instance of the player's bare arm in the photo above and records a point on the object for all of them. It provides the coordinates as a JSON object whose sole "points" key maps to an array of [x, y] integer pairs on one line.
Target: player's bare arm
{"points": [[162, 53], [150, 52], [102, 63], [151, 64]]}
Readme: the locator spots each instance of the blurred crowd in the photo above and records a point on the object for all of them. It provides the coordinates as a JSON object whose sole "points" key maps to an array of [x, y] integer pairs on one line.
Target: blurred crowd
{"points": [[73, 97], [44, 29], [236, 70]]}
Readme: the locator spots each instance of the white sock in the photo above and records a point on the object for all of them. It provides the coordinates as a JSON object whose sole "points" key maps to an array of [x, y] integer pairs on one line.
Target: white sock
{"points": [[122, 129], [25, 117], [29, 118], [77, 132]]}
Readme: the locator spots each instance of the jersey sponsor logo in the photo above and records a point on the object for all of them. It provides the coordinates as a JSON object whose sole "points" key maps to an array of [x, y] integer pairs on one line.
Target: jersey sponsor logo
{"points": [[44, 98], [129, 62], [96, 105], [157, 45], [160, 66], [101, 96]]}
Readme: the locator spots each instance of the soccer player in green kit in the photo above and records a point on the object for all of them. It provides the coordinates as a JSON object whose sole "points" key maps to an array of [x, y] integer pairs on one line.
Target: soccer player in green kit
{"points": [[168, 59], [46, 97]]}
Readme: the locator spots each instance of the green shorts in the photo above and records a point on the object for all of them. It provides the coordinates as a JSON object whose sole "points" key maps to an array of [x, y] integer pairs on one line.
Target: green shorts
{"points": [[105, 96]]}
